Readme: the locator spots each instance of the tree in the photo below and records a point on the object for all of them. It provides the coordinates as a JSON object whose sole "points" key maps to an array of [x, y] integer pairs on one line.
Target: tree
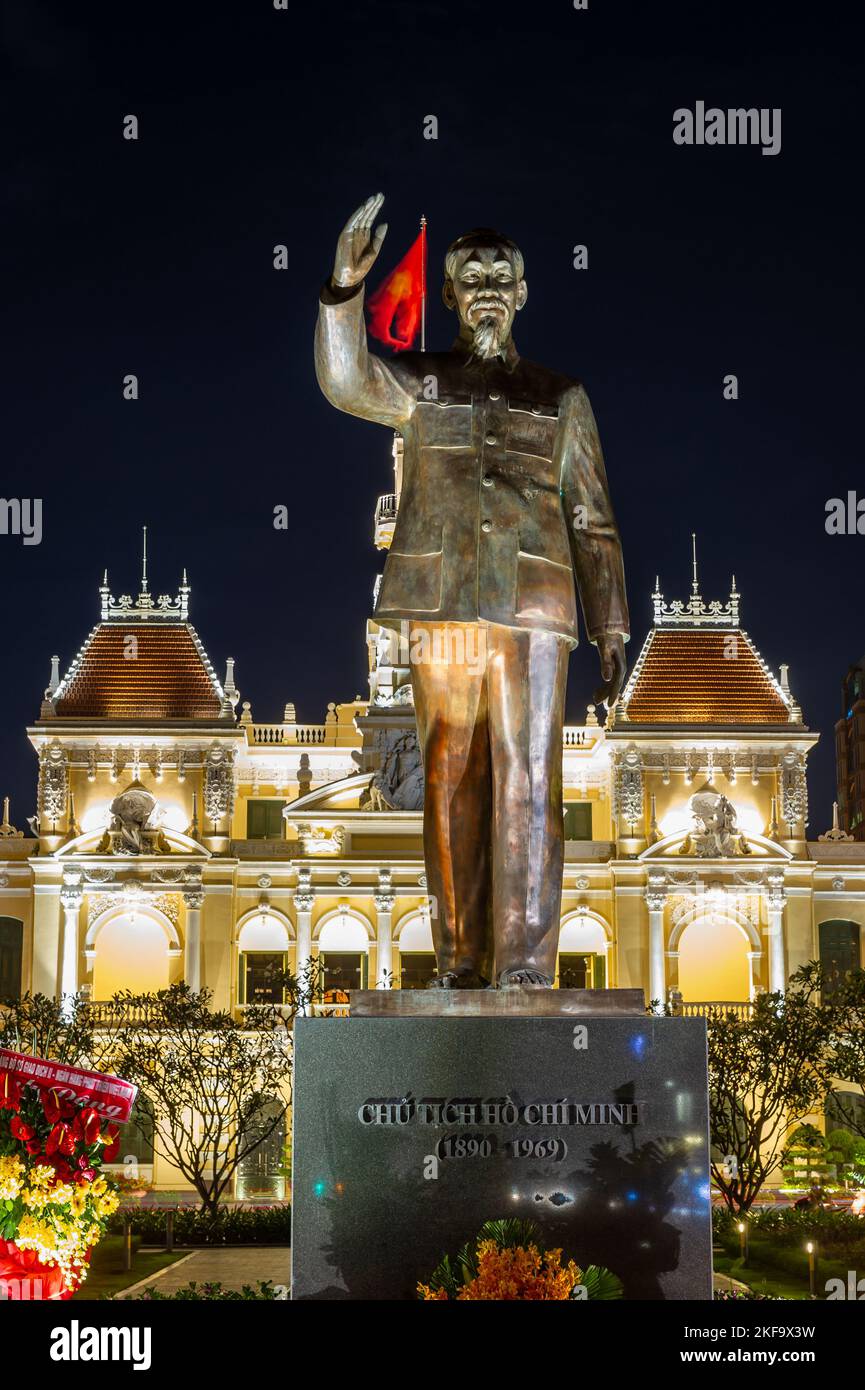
{"points": [[805, 1155], [848, 1048], [217, 1088], [766, 1073], [43, 1027]]}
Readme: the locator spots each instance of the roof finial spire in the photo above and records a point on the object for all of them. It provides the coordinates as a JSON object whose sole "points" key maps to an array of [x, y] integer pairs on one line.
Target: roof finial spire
{"points": [[144, 562], [695, 588]]}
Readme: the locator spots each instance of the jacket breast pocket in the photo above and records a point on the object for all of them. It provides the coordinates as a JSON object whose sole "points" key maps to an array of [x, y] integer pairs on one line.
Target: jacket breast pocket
{"points": [[445, 423], [532, 427], [545, 590], [412, 582]]}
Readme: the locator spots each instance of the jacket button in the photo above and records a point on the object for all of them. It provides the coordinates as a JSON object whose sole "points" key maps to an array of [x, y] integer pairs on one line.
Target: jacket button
{"points": [[491, 439], [536, 409], [486, 525], [495, 395], [487, 480]]}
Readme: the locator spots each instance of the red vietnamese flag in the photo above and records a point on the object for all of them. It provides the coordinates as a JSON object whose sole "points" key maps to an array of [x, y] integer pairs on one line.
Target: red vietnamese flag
{"points": [[396, 308]]}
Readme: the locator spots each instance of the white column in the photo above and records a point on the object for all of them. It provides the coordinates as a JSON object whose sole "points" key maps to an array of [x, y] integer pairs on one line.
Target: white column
{"points": [[304, 900], [754, 958], [775, 931], [194, 900], [70, 897], [656, 895], [384, 941]]}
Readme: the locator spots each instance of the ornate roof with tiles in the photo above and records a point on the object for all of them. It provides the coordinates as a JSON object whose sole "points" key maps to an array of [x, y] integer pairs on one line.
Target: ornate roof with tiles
{"points": [[142, 661], [699, 666]]}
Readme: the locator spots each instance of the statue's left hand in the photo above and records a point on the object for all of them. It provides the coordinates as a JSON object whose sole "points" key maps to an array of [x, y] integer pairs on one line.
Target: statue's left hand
{"points": [[611, 650]]}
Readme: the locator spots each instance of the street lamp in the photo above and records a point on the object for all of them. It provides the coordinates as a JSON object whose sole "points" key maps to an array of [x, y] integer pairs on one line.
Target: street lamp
{"points": [[743, 1241], [812, 1268]]}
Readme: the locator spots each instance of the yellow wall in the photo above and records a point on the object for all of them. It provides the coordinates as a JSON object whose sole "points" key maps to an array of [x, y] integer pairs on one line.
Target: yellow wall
{"points": [[131, 953], [713, 961]]}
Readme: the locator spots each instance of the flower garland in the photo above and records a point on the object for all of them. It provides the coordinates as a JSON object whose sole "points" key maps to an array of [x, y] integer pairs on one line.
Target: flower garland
{"points": [[54, 1202], [522, 1273], [508, 1262]]}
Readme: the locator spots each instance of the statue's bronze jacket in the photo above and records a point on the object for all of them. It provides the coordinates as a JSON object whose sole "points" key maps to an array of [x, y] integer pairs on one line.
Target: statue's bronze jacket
{"points": [[504, 498]]}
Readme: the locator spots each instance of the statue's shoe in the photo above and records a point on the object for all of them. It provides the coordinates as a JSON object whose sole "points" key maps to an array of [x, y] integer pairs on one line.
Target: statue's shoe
{"points": [[524, 975], [459, 979]]}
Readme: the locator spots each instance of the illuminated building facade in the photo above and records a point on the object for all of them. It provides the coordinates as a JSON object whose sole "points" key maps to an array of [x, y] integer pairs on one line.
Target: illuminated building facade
{"points": [[689, 869]]}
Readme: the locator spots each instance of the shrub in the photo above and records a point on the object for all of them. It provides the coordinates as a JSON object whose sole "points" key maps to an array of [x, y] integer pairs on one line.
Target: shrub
{"points": [[745, 1296], [832, 1230], [264, 1291], [230, 1226]]}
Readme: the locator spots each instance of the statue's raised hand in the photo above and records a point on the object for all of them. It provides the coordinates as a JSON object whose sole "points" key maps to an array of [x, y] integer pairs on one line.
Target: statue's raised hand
{"points": [[358, 244]]}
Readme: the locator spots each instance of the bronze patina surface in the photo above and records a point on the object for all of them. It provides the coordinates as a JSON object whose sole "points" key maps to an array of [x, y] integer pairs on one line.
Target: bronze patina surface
{"points": [[504, 518], [520, 1001]]}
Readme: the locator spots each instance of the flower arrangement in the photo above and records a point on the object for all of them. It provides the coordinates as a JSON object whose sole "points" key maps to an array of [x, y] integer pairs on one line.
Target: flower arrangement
{"points": [[54, 1202], [507, 1261]]}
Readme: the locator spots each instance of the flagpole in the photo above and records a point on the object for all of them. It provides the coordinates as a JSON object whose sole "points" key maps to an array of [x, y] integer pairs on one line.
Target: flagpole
{"points": [[423, 284]]}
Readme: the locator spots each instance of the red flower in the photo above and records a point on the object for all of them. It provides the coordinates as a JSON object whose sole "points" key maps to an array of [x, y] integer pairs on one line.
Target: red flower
{"points": [[33, 1146], [111, 1140], [10, 1092], [19, 1130], [51, 1106], [86, 1125], [60, 1140]]}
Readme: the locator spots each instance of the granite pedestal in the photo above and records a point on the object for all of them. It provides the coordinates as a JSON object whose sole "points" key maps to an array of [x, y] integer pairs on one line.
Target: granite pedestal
{"points": [[411, 1132]]}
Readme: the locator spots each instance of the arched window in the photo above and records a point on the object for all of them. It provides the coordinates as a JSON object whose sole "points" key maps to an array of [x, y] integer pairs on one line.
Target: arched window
{"points": [[261, 1174], [582, 962], [839, 951], [131, 952], [136, 1141], [263, 946], [343, 945], [845, 1110], [417, 962], [11, 952]]}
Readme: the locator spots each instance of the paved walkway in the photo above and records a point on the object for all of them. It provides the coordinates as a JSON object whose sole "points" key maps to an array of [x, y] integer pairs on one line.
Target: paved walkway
{"points": [[231, 1266]]}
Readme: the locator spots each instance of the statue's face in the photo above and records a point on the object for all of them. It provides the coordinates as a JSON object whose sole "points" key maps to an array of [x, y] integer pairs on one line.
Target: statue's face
{"points": [[485, 286]]}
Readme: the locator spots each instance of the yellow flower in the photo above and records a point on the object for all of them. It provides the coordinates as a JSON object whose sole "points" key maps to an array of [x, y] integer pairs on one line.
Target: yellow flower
{"points": [[79, 1201], [34, 1234], [60, 1194], [40, 1177], [107, 1205], [11, 1170]]}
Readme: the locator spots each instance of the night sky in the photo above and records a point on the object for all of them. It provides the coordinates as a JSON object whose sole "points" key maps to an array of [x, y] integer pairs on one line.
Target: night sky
{"points": [[260, 127]]}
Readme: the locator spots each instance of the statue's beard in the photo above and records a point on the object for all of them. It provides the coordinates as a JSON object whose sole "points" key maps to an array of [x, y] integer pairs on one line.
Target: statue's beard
{"points": [[487, 336]]}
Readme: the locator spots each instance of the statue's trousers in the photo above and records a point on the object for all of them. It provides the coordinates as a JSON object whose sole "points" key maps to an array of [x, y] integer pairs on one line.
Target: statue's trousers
{"points": [[490, 702]]}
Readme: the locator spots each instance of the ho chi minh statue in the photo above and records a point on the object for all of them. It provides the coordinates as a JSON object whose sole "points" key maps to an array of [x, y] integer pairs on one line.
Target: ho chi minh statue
{"points": [[504, 506]]}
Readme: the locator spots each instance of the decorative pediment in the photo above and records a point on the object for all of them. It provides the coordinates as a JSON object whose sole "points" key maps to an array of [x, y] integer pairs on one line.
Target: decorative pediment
{"points": [[680, 845], [343, 794], [94, 842]]}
